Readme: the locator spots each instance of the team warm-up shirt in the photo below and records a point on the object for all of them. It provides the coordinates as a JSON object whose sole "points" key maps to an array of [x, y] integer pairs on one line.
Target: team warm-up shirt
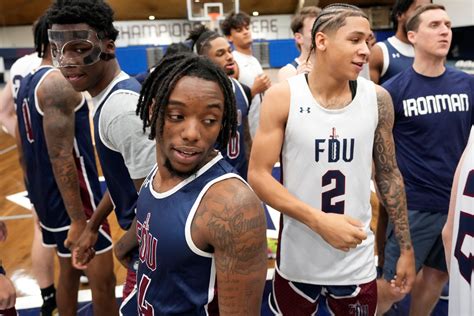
{"points": [[108, 113], [433, 117], [461, 290], [326, 162], [174, 276], [249, 69], [42, 188], [397, 56]]}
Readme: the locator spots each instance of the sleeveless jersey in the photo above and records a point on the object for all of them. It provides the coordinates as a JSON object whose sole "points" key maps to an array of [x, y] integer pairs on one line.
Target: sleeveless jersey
{"points": [[119, 182], [397, 56], [295, 63], [21, 68], [461, 281], [174, 276], [42, 188], [433, 117], [326, 162], [235, 152]]}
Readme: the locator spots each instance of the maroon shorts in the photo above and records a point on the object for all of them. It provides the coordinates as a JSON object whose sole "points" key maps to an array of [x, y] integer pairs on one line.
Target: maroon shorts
{"points": [[130, 282], [302, 299]]}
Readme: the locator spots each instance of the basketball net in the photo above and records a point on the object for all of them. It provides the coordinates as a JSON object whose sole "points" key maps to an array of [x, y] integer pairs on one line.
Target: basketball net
{"points": [[214, 21]]}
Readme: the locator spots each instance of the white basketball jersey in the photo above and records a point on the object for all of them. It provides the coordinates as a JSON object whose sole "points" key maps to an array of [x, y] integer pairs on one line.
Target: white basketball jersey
{"points": [[21, 68], [461, 291], [327, 163]]}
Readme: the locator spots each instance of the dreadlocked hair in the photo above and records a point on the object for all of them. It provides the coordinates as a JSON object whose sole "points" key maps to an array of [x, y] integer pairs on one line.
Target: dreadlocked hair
{"points": [[95, 13], [40, 34], [157, 88], [332, 18], [201, 37]]}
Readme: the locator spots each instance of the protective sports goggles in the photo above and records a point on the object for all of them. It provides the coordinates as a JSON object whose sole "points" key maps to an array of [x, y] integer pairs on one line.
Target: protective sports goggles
{"points": [[74, 47]]}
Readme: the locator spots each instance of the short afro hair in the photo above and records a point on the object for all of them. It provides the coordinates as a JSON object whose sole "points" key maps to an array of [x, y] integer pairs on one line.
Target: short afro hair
{"points": [[95, 13]]}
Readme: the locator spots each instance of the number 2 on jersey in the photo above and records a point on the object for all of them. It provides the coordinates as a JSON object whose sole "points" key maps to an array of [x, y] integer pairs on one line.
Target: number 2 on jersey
{"points": [[327, 197]]}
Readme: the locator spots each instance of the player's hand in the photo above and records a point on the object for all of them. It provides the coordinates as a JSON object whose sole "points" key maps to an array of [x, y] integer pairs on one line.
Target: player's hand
{"points": [[341, 231], [261, 84], [3, 231], [75, 231], [84, 251], [406, 273], [304, 67], [7, 293], [122, 252]]}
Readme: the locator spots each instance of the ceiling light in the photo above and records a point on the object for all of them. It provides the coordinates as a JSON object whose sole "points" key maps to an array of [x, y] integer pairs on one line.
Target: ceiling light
{"points": [[255, 13], [151, 17]]}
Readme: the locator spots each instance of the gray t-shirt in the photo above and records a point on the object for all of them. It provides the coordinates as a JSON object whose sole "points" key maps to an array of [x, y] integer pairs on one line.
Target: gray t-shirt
{"points": [[121, 130]]}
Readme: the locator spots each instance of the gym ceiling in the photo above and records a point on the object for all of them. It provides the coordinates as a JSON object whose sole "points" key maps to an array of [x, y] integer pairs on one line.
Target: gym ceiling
{"points": [[25, 12]]}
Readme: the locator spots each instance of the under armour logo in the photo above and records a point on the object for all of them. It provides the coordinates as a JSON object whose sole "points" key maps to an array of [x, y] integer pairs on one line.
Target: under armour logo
{"points": [[308, 109], [396, 55]]}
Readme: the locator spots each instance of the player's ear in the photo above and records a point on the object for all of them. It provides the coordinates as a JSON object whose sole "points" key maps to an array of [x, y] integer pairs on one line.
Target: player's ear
{"points": [[411, 35], [109, 46], [320, 41], [299, 38], [151, 108]]}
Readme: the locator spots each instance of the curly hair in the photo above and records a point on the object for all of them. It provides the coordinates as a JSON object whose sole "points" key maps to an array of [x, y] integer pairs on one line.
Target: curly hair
{"points": [[159, 85], [95, 13], [234, 21]]}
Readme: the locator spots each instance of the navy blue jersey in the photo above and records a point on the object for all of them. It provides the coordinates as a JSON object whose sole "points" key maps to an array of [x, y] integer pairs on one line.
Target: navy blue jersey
{"points": [[235, 152], [397, 62], [119, 182], [174, 276], [43, 190], [433, 117], [141, 76]]}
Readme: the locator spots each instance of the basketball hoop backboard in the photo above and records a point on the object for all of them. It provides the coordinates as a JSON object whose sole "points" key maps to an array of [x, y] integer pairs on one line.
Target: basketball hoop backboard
{"points": [[210, 10]]}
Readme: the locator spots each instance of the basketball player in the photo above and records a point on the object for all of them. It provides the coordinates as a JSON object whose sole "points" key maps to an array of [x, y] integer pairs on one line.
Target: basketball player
{"points": [[42, 257], [197, 222], [395, 54], [458, 231], [7, 289], [301, 25], [83, 37], [63, 186], [433, 117], [236, 27], [20, 68], [325, 243], [217, 49]]}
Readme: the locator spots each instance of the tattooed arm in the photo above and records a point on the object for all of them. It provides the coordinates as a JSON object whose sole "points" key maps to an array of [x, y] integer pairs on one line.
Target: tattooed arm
{"points": [[231, 220], [392, 190], [58, 100]]}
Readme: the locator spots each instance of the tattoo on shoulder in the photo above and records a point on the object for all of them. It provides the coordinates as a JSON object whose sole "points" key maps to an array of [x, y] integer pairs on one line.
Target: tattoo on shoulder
{"points": [[237, 226]]}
